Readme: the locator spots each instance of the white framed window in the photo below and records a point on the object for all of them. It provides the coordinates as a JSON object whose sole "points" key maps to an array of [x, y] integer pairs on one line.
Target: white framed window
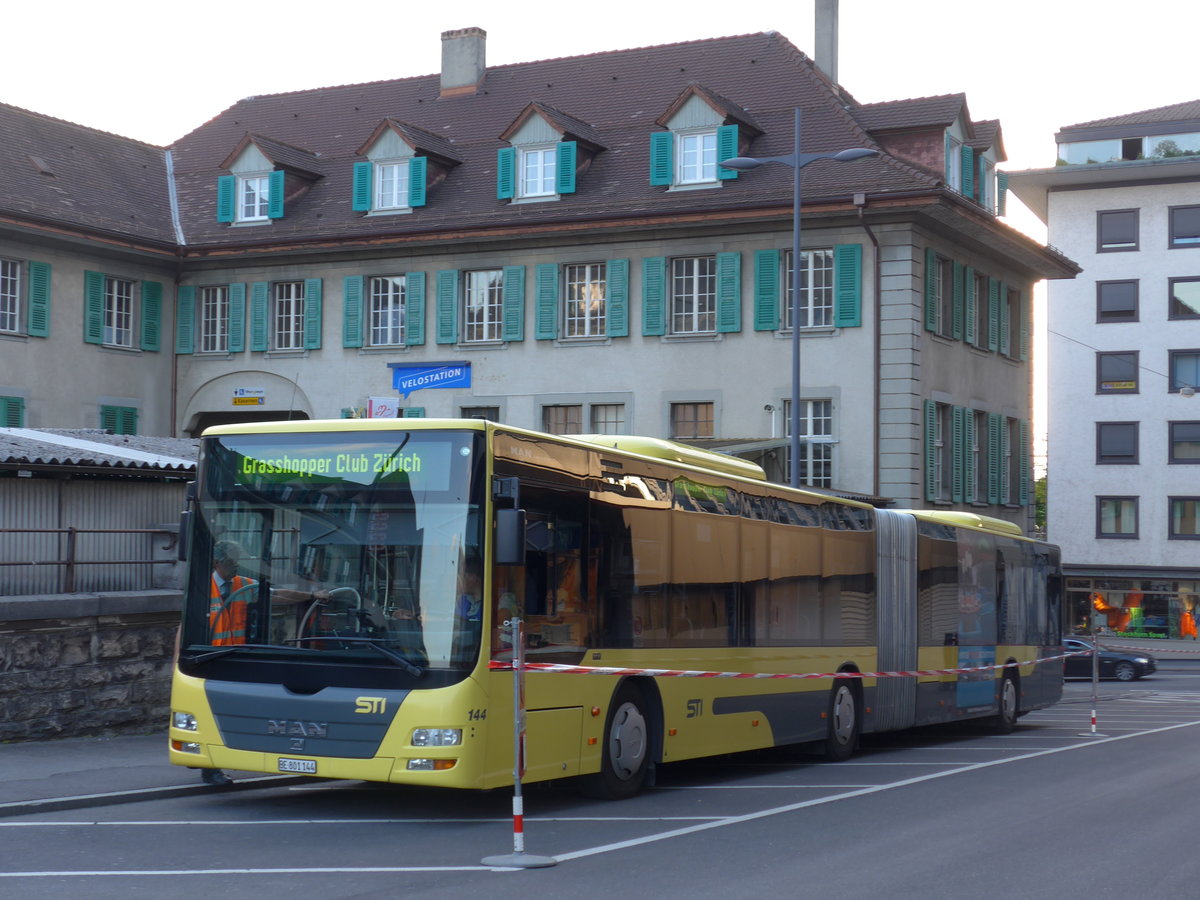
{"points": [[563, 419], [694, 295], [214, 319], [537, 171], [816, 288], [585, 314], [288, 332], [10, 295], [954, 162], [387, 310], [391, 185], [696, 157], [483, 305], [608, 418], [118, 312], [816, 441], [254, 197]]}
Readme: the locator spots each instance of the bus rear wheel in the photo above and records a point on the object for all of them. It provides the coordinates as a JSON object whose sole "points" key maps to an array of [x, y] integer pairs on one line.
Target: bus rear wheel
{"points": [[626, 756], [843, 722], [1005, 719]]}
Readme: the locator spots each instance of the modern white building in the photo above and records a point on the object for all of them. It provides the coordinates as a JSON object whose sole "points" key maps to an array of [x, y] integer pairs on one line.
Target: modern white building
{"points": [[1124, 363]]}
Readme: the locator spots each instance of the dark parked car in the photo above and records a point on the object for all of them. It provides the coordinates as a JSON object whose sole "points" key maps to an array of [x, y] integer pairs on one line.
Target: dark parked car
{"points": [[1113, 663]]}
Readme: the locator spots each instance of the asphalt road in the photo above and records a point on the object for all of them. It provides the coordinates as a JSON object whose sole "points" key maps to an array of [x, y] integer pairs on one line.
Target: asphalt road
{"points": [[1049, 811]]}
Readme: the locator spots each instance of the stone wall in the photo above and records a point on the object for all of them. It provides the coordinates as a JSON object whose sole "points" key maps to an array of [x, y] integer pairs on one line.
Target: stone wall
{"points": [[86, 664]]}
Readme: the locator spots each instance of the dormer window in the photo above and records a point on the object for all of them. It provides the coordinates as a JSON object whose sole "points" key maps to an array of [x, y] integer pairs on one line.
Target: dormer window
{"points": [[538, 172], [254, 197], [402, 162], [701, 129]]}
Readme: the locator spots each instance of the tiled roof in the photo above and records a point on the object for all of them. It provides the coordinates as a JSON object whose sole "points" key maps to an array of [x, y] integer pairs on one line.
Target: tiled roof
{"points": [[618, 94], [68, 174], [90, 448], [920, 112], [1177, 112]]}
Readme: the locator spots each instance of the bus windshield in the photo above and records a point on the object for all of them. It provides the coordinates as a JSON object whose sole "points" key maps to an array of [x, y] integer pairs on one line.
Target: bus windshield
{"points": [[361, 548]]}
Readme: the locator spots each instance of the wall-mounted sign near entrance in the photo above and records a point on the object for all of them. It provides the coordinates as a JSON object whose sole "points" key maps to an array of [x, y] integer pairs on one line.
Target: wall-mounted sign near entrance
{"points": [[249, 396], [407, 378]]}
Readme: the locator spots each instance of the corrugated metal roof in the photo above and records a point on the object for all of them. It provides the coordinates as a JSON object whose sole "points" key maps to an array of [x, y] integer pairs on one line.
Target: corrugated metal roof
{"points": [[85, 447]]}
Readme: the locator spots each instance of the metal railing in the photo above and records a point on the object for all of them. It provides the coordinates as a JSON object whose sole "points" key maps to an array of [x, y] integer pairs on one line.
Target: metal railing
{"points": [[68, 565]]}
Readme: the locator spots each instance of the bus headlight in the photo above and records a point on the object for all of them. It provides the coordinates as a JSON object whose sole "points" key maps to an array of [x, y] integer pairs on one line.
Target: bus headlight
{"points": [[431, 765], [185, 746], [436, 737], [183, 721]]}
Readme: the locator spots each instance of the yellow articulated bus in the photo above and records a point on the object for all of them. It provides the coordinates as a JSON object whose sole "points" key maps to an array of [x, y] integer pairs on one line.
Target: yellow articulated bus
{"points": [[349, 581]]}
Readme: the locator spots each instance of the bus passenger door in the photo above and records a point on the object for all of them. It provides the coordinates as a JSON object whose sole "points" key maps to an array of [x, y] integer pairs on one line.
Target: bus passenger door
{"points": [[896, 599]]}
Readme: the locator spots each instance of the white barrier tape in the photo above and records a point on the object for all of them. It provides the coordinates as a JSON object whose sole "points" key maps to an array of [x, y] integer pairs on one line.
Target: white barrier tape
{"points": [[563, 669]]}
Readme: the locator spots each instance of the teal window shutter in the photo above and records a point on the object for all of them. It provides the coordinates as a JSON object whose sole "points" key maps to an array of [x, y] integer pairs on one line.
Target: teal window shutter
{"points": [[727, 148], [729, 292], [312, 313], [275, 200], [1024, 495], [968, 171], [654, 299], [1005, 452], [417, 173], [1002, 318], [616, 303], [237, 317], [931, 472], [506, 173], [119, 419], [352, 311], [956, 323], [564, 167], [414, 309], [995, 455], [970, 305], [512, 303], [259, 309], [546, 301], [413, 412], [1023, 318], [361, 194], [969, 436], [226, 197], [766, 289], [958, 456], [93, 307], [39, 300], [12, 412], [185, 319], [847, 285], [447, 306], [993, 341], [948, 149], [931, 310], [662, 152], [1001, 193], [151, 315]]}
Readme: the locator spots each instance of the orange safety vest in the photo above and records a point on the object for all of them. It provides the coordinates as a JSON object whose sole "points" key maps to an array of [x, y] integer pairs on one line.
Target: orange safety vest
{"points": [[227, 618]]}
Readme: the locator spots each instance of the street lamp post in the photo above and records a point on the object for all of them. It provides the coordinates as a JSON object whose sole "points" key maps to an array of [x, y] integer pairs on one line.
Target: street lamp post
{"points": [[797, 161]]}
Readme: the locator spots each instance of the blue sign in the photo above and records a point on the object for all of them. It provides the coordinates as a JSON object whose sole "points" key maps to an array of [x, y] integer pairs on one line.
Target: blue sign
{"points": [[407, 379]]}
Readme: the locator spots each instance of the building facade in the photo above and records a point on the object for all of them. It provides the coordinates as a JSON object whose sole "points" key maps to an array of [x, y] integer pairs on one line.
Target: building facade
{"points": [[1124, 427], [556, 245]]}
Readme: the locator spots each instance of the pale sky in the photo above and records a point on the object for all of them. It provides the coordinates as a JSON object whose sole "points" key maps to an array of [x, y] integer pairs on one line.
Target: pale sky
{"points": [[156, 69]]}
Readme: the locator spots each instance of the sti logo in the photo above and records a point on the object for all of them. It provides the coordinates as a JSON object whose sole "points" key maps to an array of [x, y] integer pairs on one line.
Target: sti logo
{"points": [[370, 705]]}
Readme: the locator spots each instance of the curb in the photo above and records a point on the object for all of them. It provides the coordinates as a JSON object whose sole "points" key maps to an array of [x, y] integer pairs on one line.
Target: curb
{"points": [[114, 798]]}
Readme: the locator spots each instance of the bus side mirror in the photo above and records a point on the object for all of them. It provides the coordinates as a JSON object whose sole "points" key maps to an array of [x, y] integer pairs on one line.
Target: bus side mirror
{"points": [[185, 522], [509, 548]]}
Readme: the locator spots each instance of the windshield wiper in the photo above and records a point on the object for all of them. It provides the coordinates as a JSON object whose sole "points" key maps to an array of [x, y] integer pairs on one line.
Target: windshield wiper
{"points": [[225, 651], [374, 644]]}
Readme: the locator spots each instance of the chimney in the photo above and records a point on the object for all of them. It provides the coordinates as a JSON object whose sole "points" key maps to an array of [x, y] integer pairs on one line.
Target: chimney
{"points": [[826, 55], [463, 64]]}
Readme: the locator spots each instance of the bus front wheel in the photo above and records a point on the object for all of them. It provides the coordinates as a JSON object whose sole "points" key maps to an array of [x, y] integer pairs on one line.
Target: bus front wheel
{"points": [[843, 722], [626, 755]]}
